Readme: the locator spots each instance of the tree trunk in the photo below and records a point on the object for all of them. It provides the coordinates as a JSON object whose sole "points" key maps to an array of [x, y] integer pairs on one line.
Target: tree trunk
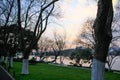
{"points": [[6, 60], [55, 60], [25, 55], [25, 66], [56, 55], [61, 57], [108, 65], [2, 58], [11, 61], [98, 70], [103, 36], [61, 60]]}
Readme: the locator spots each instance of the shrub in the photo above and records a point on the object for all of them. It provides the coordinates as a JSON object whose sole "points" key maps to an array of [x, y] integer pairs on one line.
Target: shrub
{"points": [[33, 61], [81, 54]]}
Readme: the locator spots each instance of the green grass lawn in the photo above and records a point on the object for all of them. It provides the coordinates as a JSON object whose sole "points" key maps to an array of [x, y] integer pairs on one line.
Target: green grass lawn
{"points": [[52, 72]]}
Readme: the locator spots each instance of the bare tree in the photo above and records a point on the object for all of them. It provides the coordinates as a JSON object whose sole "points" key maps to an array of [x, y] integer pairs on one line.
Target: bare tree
{"points": [[114, 48], [39, 18], [45, 46], [116, 28], [113, 54], [103, 37], [60, 41], [86, 36]]}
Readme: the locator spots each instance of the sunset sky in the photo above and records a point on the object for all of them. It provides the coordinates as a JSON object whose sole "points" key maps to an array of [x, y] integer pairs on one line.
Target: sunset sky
{"points": [[74, 13]]}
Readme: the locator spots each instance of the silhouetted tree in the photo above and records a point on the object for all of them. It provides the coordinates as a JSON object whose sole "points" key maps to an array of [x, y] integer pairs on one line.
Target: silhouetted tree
{"points": [[60, 42], [86, 36], [45, 47], [39, 19], [13, 43]]}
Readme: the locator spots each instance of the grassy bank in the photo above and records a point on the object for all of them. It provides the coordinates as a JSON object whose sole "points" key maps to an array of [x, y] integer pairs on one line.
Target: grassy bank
{"points": [[52, 72]]}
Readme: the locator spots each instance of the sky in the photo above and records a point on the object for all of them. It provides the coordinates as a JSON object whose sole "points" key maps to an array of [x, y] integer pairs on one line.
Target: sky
{"points": [[74, 13]]}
